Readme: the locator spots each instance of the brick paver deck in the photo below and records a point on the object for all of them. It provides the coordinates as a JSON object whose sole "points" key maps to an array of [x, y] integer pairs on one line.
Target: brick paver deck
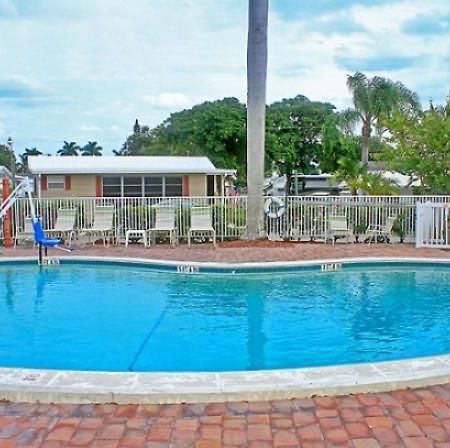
{"points": [[258, 252], [407, 418]]}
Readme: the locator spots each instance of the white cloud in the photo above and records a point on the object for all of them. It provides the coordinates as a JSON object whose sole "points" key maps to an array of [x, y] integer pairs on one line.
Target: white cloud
{"points": [[168, 100], [114, 61], [305, 57], [2, 129], [88, 128]]}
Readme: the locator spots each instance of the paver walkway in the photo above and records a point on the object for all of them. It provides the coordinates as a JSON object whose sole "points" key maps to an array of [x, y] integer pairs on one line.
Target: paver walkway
{"points": [[233, 252], [409, 418], [413, 419]]}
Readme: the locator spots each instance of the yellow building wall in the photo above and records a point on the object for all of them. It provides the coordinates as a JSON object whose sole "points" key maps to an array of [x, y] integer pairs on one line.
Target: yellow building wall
{"points": [[82, 185], [197, 185]]}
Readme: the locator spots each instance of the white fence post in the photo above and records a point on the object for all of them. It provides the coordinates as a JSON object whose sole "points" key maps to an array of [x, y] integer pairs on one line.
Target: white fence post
{"points": [[433, 225]]}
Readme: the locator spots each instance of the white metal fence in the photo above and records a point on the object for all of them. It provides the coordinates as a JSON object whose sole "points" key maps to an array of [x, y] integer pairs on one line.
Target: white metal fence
{"points": [[433, 225], [304, 217]]}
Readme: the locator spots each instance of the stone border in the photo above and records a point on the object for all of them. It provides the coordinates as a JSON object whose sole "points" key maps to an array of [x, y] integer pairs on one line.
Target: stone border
{"points": [[50, 386]]}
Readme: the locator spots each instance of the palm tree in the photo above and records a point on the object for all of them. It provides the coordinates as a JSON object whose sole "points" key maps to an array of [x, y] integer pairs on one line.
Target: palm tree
{"points": [[256, 114], [91, 149], [24, 158], [69, 149], [374, 99]]}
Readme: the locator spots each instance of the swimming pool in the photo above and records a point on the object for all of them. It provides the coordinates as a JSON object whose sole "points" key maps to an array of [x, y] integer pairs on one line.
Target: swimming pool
{"points": [[116, 317]]}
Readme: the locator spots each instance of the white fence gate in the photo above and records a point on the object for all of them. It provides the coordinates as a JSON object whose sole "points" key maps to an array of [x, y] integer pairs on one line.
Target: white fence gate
{"points": [[433, 225]]}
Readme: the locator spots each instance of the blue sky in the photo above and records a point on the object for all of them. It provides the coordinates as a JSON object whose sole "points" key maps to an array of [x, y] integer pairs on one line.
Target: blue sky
{"points": [[82, 70]]}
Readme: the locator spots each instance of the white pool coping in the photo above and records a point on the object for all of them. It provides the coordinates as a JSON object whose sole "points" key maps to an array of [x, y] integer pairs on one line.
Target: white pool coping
{"points": [[50, 386]]}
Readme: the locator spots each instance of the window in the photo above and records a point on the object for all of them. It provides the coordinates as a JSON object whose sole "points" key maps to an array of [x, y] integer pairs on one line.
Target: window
{"points": [[153, 186], [173, 186], [112, 187], [56, 182], [132, 186], [138, 186]]}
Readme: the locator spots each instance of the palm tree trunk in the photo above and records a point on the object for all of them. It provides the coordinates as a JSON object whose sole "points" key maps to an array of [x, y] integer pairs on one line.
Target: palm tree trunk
{"points": [[365, 133], [256, 114]]}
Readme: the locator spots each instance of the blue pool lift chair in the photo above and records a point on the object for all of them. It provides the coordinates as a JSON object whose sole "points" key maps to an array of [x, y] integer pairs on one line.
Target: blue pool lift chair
{"points": [[43, 242]]}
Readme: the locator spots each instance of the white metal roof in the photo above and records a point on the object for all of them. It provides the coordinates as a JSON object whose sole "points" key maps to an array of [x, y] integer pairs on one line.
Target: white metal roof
{"points": [[122, 165]]}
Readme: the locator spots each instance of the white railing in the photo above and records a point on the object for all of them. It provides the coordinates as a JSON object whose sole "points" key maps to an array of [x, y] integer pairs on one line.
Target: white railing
{"points": [[433, 225], [305, 217]]}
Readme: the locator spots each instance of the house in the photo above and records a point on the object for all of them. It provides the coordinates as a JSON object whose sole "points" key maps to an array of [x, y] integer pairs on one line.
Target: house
{"points": [[126, 176]]}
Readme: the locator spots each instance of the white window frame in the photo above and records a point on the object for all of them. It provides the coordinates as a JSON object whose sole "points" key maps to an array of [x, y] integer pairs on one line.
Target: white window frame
{"points": [[56, 182], [163, 176]]}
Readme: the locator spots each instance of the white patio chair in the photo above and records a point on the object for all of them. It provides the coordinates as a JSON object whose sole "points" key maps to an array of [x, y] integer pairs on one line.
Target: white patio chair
{"points": [[64, 224], [102, 225], [164, 222], [338, 227], [201, 222], [25, 233], [374, 230]]}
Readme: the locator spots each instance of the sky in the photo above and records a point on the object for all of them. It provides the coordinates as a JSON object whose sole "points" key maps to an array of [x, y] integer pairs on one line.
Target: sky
{"points": [[84, 70]]}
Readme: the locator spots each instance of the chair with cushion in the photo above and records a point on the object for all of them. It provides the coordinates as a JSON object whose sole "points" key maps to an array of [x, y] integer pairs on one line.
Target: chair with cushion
{"points": [[164, 222], [201, 222], [338, 227], [64, 225], [102, 225]]}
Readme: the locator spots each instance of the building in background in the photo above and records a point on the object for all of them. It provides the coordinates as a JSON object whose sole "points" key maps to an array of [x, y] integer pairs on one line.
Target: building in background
{"points": [[121, 176]]}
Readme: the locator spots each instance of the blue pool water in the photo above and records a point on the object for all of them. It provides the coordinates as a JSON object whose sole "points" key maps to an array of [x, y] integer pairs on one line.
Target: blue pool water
{"points": [[130, 318]]}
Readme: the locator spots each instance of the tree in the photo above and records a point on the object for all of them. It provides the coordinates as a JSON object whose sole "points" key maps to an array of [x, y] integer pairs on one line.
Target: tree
{"points": [[294, 135], [136, 142], [358, 180], [214, 129], [256, 118], [136, 127], [421, 147], [91, 149], [24, 158], [7, 157], [375, 99], [337, 144], [69, 149]]}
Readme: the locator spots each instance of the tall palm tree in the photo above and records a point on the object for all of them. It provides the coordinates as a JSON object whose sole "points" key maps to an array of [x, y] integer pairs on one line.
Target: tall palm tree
{"points": [[69, 149], [256, 114], [375, 98], [91, 149], [24, 158]]}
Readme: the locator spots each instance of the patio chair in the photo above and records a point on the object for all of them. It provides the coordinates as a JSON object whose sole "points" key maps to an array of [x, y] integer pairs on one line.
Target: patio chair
{"points": [[201, 222], [338, 227], [25, 233], [64, 224], [384, 232], [164, 222], [102, 224]]}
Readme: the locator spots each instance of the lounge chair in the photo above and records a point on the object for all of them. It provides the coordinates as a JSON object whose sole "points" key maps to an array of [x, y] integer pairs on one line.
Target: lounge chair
{"points": [[374, 231], [102, 225], [25, 233], [64, 224], [164, 222], [338, 227], [201, 222]]}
